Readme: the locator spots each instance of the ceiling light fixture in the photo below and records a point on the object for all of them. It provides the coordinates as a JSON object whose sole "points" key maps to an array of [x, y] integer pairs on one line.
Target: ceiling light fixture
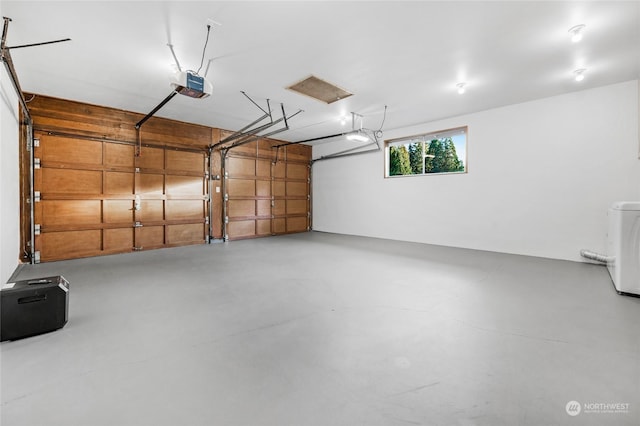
{"points": [[359, 136], [577, 32], [461, 88], [579, 74]]}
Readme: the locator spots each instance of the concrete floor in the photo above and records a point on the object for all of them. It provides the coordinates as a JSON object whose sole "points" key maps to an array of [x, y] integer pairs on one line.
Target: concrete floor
{"points": [[321, 329]]}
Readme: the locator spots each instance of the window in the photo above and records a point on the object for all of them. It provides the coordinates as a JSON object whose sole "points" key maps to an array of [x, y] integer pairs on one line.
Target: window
{"points": [[431, 153]]}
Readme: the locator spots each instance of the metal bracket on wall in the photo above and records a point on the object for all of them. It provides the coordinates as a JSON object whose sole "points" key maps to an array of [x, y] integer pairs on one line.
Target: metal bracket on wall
{"points": [[36, 163], [36, 257], [36, 196], [36, 229]]}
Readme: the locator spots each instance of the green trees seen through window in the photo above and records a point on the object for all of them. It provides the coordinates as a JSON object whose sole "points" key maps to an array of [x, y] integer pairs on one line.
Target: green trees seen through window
{"points": [[426, 156]]}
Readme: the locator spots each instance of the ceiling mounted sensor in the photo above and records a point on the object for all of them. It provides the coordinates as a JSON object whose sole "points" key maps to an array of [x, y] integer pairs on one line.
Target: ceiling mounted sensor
{"points": [[320, 89]]}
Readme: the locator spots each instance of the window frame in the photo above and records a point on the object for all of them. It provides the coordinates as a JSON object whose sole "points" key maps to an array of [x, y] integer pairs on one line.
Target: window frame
{"points": [[439, 134]]}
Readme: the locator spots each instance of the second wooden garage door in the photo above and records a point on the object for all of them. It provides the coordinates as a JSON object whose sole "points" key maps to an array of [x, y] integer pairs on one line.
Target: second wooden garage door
{"points": [[97, 197], [265, 194]]}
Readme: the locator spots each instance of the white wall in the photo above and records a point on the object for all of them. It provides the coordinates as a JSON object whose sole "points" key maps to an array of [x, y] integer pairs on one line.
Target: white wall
{"points": [[541, 177], [9, 178]]}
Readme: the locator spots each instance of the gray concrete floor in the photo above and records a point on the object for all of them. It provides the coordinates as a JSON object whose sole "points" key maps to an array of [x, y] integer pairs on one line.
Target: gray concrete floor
{"points": [[321, 329]]}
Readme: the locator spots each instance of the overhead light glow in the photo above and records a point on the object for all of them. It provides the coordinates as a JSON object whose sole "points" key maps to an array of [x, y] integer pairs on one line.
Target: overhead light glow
{"points": [[577, 32], [579, 74], [358, 137], [461, 87]]}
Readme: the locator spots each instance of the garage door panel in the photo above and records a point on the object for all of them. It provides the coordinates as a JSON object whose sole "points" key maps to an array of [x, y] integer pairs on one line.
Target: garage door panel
{"points": [[150, 211], [68, 245], [184, 209], [296, 206], [71, 181], [242, 187], [298, 153], [184, 234], [149, 184], [70, 212], [279, 207], [242, 208], [279, 226], [184, 185], [240, 166], [263, 208], [240, 229], [297, 189], [263, 188], [120, 239], [263, 168], [279, 189], [297, 171], [296, 224], [149, 236], [263, 227], [280, 170], [68, 150], [186, 161], [119, 155], [150, 158], [118, 183], [117, 211]]}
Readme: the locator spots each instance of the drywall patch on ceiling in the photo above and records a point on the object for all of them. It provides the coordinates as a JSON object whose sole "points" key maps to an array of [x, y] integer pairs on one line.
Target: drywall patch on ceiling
{"points": [[319, 89]]}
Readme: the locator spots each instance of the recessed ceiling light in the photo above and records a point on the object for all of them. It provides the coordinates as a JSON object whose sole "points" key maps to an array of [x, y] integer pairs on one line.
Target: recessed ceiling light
{"points": [[461, 87], [576, 33], [579, 74]]}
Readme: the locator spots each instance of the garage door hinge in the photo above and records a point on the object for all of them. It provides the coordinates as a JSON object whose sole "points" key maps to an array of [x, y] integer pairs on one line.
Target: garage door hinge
{"points": [[34, 143], [36, 257], [226, 219], [137, 225], [206, 220], [226, 197], [36, 163], [137, 169], [137, 248], [36, 196], [36, 229]]}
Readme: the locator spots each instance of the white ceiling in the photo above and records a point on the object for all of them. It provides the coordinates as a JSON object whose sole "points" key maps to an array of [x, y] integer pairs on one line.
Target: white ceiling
{"points": [[407, 55]]}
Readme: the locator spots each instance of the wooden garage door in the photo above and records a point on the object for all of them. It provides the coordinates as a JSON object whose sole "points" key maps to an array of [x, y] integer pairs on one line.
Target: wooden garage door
{"points": [[97, 197], [265, 196]]}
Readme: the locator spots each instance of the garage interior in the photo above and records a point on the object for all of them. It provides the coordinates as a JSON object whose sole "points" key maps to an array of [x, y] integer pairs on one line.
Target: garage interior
{"points": [[239, 259]]}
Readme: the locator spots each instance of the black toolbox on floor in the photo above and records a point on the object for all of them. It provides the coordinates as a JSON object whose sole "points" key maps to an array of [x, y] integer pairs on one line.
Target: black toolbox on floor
{"points": [[33, 307]]}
